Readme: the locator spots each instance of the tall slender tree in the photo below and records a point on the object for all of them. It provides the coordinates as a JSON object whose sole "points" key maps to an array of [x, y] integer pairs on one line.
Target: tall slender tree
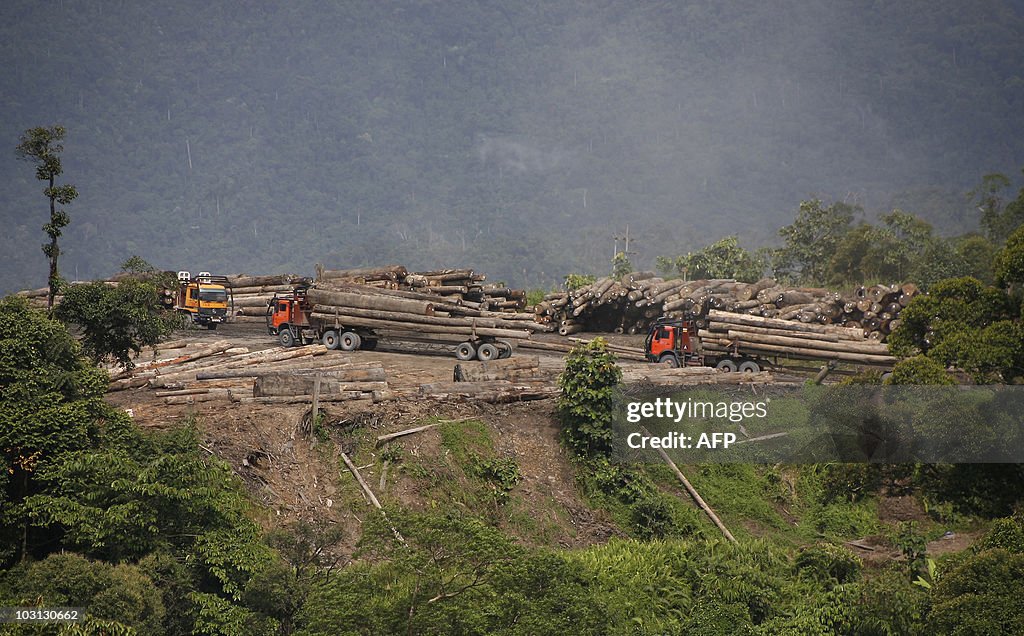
{"points": [[42, 146]]}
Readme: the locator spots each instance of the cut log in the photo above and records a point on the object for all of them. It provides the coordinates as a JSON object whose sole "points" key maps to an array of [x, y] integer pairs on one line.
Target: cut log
{"points": [[271, 385], [367, 301]]}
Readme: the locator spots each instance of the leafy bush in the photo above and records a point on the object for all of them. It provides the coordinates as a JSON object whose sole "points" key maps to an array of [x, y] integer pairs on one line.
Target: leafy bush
{"points": [[1009, 261], [952, 305], [920, 370], [121, 593], [829, 563], [502, 474], [655, 517], [849, 482], [980, 595], [912, 544], [576, 281], [992, 354], [723, 259], [116, 322], [585, 404]]}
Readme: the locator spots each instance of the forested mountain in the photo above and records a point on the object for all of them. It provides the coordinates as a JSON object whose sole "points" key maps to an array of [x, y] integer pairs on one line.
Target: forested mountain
{"points": [[516, 138]]}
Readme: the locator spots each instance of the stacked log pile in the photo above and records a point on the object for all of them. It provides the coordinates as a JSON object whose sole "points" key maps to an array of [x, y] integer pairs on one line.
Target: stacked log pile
{"points": [[37, 297], [463, 287], [252, 294], [630, 304], [398, 312], [773, 337], [189, 373]]}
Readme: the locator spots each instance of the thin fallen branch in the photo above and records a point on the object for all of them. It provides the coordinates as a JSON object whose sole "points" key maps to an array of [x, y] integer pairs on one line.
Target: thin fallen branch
{"points": [[762, 438], [693, 491], [381, 439], [369, 493]]}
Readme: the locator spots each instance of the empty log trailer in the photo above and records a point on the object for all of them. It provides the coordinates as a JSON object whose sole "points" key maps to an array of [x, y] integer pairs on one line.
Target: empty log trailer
{"points": [[351, 321]]}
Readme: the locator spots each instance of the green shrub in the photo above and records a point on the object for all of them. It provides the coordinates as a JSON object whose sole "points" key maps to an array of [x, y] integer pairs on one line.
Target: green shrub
{"points": [[920, 370], [586, 400], [980, 596], [828, 563], [849, 482], [121, 593], [912, 545]]}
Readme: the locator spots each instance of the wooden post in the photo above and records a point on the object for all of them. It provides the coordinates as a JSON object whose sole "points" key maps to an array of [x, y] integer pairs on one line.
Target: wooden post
{"points": [[693, 491], [316, 402]]}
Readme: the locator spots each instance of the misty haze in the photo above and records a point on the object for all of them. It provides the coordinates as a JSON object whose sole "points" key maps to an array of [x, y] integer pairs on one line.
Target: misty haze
{"points": [[515, 141]]}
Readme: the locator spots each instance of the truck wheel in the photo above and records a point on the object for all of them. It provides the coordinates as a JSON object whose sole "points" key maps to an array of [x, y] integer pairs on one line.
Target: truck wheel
{"points": [[487, 352], [727, 365], [504, 349], [286, 337], [465, 351], [350, 341], [749, 366], [669, 360], [187, 321], [330, 339], [212, 326]]}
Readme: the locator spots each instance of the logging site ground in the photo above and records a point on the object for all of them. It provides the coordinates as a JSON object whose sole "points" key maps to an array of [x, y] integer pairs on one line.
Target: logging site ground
{"points": [[298, 478], [301, 477]]}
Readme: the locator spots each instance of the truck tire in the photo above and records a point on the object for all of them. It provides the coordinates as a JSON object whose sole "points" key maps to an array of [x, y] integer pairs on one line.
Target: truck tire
{"points": [[465, 351], [504, 349], [727, 365], [285, 335], [349, 341], [487, 352], [211, 326], [669, 359], [749, 366], [330, 339]]}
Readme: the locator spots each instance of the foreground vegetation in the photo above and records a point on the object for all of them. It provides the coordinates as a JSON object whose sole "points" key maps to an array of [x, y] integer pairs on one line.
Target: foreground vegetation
{"points": [[155, 536]]}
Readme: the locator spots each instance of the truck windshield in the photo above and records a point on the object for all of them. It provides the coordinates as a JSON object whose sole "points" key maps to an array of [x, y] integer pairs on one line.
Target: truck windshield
{"points": [[213, 296]]}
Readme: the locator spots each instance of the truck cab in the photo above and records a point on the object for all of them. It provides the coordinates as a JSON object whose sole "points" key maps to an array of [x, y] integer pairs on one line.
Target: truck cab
{"points": [[673, 342], [205, 300], [288, 316]]}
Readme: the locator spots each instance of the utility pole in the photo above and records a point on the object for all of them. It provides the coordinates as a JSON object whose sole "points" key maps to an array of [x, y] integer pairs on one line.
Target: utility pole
{"points": [[625, 239]]}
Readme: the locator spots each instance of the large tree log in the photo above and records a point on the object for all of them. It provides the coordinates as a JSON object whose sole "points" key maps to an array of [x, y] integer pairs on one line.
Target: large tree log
{"points": [[345, 396], [725, 344], [272, 385], [253, 301], [241, 280], [745, 337], [258, 357], [755, 321], [367, 301], [723, 328], [395, 272], [302, 366]]}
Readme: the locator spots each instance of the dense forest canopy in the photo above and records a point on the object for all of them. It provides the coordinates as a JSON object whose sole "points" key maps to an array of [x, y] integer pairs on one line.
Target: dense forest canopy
{"points": [[516, 139]]}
